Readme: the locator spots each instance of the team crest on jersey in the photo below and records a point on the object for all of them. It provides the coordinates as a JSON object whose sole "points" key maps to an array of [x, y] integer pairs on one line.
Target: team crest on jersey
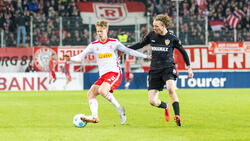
{"points": [[167, 42]]}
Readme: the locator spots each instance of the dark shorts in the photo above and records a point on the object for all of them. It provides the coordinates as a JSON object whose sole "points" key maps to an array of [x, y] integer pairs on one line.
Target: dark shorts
{"points": [[157, 78]]}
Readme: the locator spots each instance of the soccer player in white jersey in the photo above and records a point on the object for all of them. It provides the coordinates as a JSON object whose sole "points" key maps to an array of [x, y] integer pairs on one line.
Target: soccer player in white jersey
{"points": [[105, 50]]}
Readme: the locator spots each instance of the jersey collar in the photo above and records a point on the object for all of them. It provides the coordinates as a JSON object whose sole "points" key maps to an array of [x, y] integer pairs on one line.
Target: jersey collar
{"points": [[99, 41]]}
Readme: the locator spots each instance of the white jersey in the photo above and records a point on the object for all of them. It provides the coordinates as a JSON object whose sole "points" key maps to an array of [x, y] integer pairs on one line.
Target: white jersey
{"points": [[106, 55]]}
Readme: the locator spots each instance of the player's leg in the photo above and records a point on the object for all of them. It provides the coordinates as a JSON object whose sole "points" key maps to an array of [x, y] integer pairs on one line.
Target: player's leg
{"points": [[111, 82], [156, 84], [176, 88], [68, 77], [54, 77], [104, 90], [153, 98], [175, 101], [129, 80], [126, 83], [50, 77], [155, 101], [126, 80], [93, 105]]}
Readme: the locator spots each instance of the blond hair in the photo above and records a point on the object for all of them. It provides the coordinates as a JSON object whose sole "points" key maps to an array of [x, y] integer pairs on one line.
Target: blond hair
{"points": [[102, 24], [165, 19]]}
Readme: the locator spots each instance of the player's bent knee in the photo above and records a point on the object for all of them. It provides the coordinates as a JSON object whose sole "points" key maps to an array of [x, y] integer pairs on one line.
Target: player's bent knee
{"points": [[152, 102], [103, 91], [90, 94], [171, 91], [100, 91], [93, 92]]}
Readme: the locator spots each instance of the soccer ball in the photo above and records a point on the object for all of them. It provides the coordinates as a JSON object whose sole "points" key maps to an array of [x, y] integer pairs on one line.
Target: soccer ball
{"points": [[78, 122]]}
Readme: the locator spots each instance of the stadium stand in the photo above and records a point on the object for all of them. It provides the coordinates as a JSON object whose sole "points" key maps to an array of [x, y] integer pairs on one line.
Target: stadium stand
{"points": [[45, 15]]}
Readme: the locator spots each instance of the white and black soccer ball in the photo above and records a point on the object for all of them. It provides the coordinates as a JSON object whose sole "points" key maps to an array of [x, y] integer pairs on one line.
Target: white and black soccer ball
{"points": [[78, 122]]}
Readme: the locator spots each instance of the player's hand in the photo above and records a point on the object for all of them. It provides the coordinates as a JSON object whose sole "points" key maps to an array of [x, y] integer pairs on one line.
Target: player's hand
{"points": [[190, 72], [149, 57]]}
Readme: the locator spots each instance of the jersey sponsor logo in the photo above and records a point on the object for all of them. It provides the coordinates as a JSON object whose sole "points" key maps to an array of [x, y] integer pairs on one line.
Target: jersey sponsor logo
{"points": [[167, 42], [111, 13], [159, 49], [105, 55]]}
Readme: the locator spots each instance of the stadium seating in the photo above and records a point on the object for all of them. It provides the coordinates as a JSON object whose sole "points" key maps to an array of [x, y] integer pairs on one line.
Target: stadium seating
{"points": [[45, 21]]}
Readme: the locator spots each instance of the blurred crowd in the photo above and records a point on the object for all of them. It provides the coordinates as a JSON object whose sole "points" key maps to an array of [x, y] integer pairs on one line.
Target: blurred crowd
{"points": [[192, 18], [16, 17]]}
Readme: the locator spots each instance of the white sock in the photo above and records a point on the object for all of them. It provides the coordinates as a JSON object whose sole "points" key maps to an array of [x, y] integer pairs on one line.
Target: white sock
{"points": [[127, 84], [112, 99], [93, 105]]}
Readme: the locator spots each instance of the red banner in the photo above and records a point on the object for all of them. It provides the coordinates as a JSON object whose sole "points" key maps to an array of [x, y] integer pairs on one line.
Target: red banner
{"points": [[201, 59], [220, 57], [89, 60], [128, 13], [247, 47], [15, 59], [226, 47]]}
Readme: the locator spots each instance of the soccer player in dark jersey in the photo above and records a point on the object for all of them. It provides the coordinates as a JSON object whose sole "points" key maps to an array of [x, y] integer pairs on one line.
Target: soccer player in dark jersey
{"points": [[162, 69]]}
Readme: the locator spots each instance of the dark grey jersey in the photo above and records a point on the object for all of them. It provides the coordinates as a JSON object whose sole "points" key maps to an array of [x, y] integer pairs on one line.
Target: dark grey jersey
{"points": [[162, 49]]}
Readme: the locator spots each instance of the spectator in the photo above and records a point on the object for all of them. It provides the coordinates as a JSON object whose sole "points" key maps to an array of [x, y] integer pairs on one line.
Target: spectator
{"points": [[10, 41], [30, 68], [21, 28], [85, 37], [46, 14], [68, 40], [123, 37], [33, 5]]}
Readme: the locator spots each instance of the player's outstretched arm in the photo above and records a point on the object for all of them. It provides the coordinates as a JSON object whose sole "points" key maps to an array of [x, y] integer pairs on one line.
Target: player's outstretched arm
{"points": [[131, 52], [80, 57], [144, 42], [178, 45], [149, 57]]}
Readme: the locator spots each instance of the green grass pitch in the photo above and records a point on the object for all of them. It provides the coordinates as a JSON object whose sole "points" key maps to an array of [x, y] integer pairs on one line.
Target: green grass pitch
{"points": [[207, 114]]}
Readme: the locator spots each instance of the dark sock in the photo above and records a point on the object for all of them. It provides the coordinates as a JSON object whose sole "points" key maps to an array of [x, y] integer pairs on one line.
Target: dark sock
{"points": [[162, 105], [176, 108]]}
